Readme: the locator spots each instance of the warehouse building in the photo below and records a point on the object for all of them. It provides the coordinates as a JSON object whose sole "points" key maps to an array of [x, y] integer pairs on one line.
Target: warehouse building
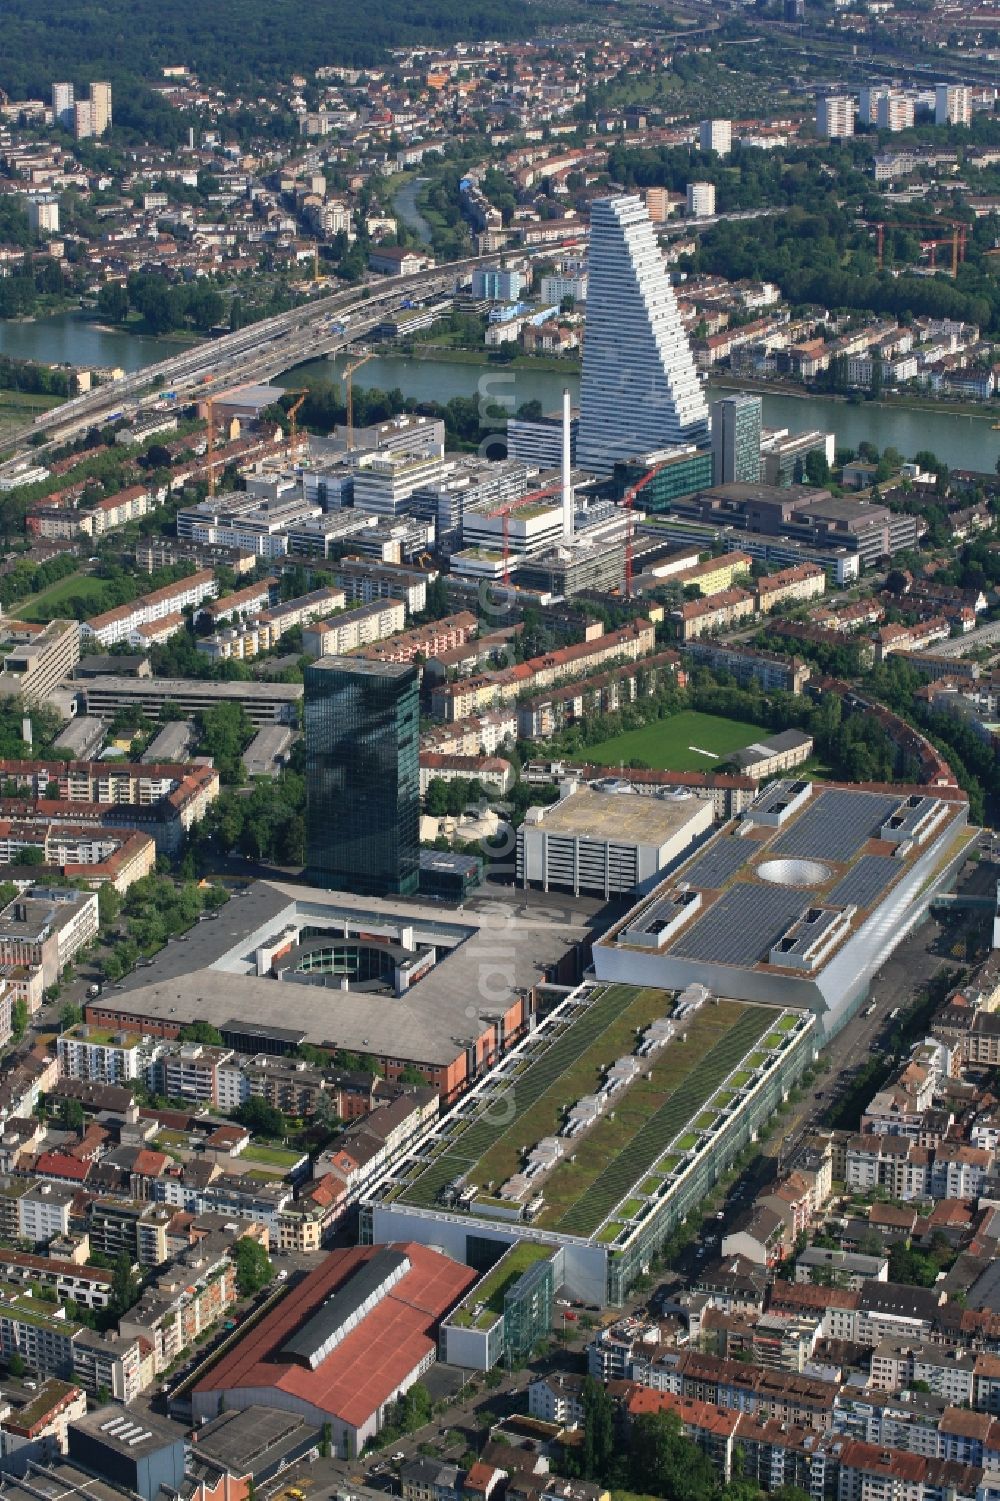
{"points": [[360, 1330]]}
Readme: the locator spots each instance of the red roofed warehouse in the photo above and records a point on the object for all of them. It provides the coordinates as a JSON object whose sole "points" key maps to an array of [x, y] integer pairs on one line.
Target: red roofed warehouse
{"points": [[359, 1331]]}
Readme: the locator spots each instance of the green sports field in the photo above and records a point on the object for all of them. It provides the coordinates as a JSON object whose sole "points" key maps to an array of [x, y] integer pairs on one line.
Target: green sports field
{"points": [[686, 742]]}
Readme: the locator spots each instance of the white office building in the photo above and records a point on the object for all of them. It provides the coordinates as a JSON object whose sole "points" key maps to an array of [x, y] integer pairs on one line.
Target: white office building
{"points": [[640, 389], [552, 289], [384, 482]]}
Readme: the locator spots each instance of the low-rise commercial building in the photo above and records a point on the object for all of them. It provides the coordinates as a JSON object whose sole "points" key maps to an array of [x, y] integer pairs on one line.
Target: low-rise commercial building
{"points": [[264, 703]]}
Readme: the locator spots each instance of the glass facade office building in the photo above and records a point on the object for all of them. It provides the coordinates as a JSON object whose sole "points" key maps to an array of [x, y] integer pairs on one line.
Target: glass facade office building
{"points": [[362, 776], [639, 389], [736, 427]]}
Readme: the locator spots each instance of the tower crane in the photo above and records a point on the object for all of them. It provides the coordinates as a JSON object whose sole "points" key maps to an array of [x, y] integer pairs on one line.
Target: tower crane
{"points": [[628, 501], [359, 357], [300, 393], [956, 240]]}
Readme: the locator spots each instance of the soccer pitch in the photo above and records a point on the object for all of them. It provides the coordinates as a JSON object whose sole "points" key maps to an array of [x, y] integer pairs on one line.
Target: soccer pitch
{"points": [[686, 742]]}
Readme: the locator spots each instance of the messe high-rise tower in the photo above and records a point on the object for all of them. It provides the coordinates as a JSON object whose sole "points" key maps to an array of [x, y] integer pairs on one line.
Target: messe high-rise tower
{"points": [[640, 389], [362, 722]]}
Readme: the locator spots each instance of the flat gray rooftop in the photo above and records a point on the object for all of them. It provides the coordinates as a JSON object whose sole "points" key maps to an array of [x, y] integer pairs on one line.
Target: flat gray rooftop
{"points": [[179, 687], [625, 816], [498, 950]]}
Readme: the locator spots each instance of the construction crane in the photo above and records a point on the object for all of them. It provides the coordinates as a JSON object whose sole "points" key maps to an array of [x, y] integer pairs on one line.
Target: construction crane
{"points": [[292, 413], [504, 512], [210, 445], [956, 240], [628, 501], [362, 358]]}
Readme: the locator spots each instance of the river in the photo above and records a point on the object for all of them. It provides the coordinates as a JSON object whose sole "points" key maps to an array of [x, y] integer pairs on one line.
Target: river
{"points": [[405, 205], [74, 339], [959, 440]]}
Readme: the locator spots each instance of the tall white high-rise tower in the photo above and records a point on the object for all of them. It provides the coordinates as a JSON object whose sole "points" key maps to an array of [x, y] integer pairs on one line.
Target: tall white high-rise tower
{"points": [[640, 389]]}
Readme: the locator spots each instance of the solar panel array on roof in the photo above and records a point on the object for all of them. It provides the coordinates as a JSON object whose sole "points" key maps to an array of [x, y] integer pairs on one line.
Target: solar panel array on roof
{"points": [[720, 860], [866, 882], [742, 926], [313, 1342], [836, 824]]}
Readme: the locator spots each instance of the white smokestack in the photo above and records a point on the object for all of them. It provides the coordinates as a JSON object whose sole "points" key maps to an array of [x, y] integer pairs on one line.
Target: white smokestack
{"points": [[567, 488]]}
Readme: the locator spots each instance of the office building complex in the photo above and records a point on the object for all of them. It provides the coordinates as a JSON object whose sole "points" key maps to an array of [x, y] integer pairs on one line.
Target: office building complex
{"points": [[736, 424], [835, 117], [640, 389], [362, 775]]}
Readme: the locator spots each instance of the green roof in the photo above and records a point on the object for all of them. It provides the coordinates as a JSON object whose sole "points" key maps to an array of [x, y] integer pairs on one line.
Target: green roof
{"points": [[494, 1287]]}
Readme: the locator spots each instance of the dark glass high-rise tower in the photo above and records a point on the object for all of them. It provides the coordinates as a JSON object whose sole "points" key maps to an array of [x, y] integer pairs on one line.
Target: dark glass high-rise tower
{"points": [[362, 723]]}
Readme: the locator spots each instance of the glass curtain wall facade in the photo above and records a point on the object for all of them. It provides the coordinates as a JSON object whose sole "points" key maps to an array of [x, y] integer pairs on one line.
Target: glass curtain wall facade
{"points": [[640, 389], [362, 776], [736, 425]]}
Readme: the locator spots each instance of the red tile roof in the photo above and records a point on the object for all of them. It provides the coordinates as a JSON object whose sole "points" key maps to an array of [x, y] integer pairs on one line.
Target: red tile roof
{"points": [[61, 1165], [370, 1364]]}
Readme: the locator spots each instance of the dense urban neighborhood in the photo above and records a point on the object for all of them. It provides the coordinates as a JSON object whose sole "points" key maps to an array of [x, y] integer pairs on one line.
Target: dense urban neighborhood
{"points": [[500, 751]]}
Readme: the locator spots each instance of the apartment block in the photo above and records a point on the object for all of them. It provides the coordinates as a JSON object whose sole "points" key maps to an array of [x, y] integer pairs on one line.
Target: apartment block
{"points": [[102, 1054], [835, 117], [162, 608], [700, 617], [353, 628]]}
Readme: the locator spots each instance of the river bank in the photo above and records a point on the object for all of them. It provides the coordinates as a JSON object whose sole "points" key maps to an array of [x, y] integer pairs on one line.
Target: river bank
{"points": [[963, 439], [905, 401]]}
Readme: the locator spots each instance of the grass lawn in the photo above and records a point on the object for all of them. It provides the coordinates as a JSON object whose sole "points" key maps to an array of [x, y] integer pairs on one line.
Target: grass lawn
{"points": [[77, 586], [666, 744], [272, 1156]]}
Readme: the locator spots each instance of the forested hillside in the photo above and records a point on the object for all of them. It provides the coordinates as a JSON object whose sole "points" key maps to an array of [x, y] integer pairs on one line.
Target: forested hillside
{"points": [[232, 41]]}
